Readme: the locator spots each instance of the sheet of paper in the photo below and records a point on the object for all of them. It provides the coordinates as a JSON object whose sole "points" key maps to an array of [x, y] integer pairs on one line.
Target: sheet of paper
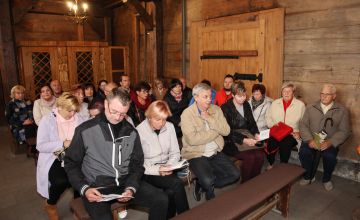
{"points": [[265, 134], [112, 197]]}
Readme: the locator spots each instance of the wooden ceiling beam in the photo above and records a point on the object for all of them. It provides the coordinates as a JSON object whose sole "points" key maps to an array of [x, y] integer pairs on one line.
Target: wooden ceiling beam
{"points": [[144, 17]]}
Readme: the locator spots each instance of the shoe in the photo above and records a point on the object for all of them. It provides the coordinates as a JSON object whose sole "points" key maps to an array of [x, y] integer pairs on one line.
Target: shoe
{"points": [[51, 210], [197, 191], [328, 186], [210, 194], [305, 182], [269, 167]]}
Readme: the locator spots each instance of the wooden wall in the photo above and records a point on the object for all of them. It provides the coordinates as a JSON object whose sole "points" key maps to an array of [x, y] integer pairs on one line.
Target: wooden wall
{"points": [[322, 45]]}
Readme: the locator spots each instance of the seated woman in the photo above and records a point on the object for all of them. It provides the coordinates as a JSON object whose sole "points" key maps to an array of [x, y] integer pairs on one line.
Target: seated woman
{"points": [[45, 104], [259, 104], [96, 106], [54, 135], [78, 92], [140, 102], [243, 131], [161, 149], [177, 102], [19, 115], [101, 89], [89, 92], [159, 90], [290, 111]]}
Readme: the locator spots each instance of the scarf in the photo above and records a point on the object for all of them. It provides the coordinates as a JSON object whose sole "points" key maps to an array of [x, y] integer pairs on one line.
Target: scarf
{"points": [[255, 103], [48, 104], [66, 128], [177, 97]]}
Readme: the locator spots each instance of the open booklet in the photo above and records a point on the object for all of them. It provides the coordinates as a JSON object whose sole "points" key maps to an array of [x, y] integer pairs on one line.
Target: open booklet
{"points": [[178, 165], [109, 197]]}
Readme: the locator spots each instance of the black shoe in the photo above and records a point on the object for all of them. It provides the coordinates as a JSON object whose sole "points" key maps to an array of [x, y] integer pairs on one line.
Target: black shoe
{"points": [[197, 191], [210, 194]]}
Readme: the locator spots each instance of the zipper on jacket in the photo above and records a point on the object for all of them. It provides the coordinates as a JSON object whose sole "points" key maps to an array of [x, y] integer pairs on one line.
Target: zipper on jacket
{"points": [[113, 157]]}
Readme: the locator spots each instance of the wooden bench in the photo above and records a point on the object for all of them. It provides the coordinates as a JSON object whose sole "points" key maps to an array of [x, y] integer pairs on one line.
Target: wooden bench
{"points": [[80, 213], [252, 199]]}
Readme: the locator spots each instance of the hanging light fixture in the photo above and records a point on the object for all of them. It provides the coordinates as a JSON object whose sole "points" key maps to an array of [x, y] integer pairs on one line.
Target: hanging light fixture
{"points": [[77, 12]]}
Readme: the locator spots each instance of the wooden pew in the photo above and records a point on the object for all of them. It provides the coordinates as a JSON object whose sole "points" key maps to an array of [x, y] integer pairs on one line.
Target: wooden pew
{"points": [[252, 199]]}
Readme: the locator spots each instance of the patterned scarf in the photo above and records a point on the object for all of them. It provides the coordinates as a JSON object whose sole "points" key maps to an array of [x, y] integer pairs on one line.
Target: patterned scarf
{"points": [[50, 103], [178, 97], [255, 103]]}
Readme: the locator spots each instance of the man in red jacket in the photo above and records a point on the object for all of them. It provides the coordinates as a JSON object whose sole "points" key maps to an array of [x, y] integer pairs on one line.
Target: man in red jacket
{"points": [[223, 95]]}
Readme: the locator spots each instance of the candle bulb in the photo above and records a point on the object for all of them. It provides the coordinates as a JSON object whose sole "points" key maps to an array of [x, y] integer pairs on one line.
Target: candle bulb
{"points": [[70, 5], [85, 6]]}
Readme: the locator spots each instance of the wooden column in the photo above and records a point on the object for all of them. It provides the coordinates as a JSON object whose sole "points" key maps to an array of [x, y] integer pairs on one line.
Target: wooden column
{"points": [[80, 32], [107, 30], [159, 49], [9, 71], [136, 47]]}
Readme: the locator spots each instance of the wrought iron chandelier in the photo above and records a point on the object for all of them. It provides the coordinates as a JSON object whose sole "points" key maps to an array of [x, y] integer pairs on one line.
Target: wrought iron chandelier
{"points": [[77, 13]]}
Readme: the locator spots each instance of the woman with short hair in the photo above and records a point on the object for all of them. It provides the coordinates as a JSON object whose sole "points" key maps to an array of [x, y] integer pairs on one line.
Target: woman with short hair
{"points": [[161, 149], [19, 115], [259, 104], [288, 110], [44, 104], [243, 132], [177, 102], [78, 91], [54, 135]]}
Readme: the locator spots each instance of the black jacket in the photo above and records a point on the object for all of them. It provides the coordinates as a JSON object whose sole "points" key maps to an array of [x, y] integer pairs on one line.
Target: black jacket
{"points": [[237, 121], [176, 110], [102, 154]]}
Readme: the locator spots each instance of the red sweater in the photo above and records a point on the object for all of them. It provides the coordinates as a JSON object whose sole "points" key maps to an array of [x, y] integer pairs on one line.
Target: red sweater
{"points": [[221, 97]]}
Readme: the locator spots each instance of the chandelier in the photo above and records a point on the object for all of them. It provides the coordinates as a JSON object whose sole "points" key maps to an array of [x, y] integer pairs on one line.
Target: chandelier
{"points": [[77, 13]]}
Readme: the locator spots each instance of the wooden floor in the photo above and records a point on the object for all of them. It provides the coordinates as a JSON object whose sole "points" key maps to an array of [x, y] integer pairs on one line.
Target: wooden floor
{"points": [[20, 201]]}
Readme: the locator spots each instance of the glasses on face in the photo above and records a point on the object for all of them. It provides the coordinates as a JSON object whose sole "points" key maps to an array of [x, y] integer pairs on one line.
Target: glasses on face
{"points": [[116, 112], [145, 91], [326, 94]]}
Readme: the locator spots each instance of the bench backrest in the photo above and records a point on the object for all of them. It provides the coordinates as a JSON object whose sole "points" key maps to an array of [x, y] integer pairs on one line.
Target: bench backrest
{"points": [[247, 196]]}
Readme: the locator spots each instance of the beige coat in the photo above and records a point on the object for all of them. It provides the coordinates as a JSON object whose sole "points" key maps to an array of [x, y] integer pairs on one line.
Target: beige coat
{"points": [[195, 136], [293, 115]]}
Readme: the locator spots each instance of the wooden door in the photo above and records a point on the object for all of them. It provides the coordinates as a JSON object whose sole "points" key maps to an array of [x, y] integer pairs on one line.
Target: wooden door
{"points": [[38, 67], [83, 65], [119, 62], [250, 43]]}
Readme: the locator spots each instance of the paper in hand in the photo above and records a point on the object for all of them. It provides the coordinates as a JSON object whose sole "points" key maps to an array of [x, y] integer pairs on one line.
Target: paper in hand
{"points": [[109, 197], [265, 134]]}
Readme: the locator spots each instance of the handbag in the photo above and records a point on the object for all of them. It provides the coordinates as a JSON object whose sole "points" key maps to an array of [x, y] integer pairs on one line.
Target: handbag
{"points": [[280, 131]]}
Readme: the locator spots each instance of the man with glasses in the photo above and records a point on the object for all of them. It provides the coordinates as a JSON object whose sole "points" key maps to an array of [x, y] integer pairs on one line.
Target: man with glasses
{"points": [[324, 127], [106, 157]]}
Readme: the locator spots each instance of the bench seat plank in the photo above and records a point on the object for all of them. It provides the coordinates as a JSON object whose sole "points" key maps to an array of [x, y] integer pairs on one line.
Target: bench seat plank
{"points": [[247, 196]]}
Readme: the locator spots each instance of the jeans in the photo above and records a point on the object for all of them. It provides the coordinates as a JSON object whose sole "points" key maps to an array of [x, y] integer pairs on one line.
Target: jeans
{"points": [[146, 196], [215, 171], [284, 147], [307, 156], [175, 190]]}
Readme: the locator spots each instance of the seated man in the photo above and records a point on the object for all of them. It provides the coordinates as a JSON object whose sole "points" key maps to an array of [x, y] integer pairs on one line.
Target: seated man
{"points": [[203, 126], [224, 94], [324, 127], [105, 157]]}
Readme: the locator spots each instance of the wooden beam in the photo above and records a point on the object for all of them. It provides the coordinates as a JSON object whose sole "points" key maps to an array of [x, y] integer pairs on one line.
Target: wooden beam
{"points": [[107, 30], [136, 48], [80, 32], [139, 10], [9, 71], [159, 36], [20, 8], [241, 53]]}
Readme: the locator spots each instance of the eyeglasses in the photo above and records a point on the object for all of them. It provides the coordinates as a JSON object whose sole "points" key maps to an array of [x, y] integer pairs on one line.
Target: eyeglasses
{"points": [[326, 94], [116, 113]]}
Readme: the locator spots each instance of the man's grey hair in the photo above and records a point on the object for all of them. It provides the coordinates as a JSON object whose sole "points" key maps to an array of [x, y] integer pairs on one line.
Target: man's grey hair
{"points": [[120, 94], [198, 88], [331, 86]]}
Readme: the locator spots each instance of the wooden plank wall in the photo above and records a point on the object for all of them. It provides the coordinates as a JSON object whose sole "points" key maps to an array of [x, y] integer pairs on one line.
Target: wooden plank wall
{"points": [[322, 45]]}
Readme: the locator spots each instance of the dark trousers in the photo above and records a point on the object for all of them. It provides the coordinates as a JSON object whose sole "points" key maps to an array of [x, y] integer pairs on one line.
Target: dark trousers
{"points": [[146, 196], [307, 158], [252, 162], [284, 147], [174, 188], [59, 182], [215, 171]]}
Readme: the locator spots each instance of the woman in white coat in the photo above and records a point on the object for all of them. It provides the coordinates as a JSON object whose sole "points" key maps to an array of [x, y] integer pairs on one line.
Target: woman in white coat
{"points": [[161, 150], [44, 104], [54, 135]]}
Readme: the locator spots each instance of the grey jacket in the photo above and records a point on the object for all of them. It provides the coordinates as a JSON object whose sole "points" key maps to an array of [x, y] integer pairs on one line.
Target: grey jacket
{"points": [[314, 120]]}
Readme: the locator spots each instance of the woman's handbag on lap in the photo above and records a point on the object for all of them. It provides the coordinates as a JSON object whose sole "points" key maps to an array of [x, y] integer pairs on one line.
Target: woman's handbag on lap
{"points": [[280, 131]]}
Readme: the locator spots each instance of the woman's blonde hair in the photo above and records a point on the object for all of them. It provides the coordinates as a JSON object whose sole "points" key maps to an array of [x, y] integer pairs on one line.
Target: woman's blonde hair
{"points": [[68, 102], [16, 88], [158, 109], [288, 85]]}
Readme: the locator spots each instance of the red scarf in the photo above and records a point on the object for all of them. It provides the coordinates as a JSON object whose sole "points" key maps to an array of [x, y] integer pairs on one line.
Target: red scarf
{"points": [[141, 106], [286, 104]]}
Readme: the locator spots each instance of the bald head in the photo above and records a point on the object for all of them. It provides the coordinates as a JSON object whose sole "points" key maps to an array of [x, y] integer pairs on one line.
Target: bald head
{"points": [[56, 87], [110, 86]]}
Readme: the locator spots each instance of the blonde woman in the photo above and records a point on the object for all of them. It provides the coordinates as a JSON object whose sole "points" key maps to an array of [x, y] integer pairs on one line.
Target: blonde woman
{"points": [[54, 135], [161, 149]]}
